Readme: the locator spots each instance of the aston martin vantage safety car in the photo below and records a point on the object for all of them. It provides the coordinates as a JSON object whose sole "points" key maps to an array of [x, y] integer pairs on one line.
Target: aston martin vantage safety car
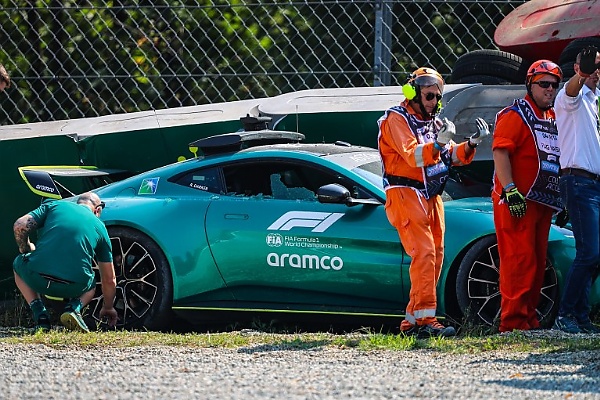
{"points": [[263, 222]]}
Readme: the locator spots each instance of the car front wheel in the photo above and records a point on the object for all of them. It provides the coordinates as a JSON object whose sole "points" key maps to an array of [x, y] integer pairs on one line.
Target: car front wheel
{"points": [[478, 289]]}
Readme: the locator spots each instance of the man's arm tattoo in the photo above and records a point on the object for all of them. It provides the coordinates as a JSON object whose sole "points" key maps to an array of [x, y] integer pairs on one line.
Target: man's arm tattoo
{"points": [[22, 227]]}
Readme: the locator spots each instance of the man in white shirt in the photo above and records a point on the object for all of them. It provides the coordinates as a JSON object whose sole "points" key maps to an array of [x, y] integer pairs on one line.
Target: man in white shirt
{"points": [[576, 108]]}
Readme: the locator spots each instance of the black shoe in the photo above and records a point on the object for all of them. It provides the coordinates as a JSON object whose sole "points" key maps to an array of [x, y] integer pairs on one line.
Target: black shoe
{"points": [[43, 323], [566, 324], [436, 329], [412, 331], [588, 327]]}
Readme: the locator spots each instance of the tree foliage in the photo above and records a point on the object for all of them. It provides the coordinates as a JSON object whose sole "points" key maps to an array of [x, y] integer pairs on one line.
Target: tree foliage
{"points": [[72, 59]]}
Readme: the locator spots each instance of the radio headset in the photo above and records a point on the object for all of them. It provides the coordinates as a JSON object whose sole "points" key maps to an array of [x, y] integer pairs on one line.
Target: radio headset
{"points": [[410, 92]]}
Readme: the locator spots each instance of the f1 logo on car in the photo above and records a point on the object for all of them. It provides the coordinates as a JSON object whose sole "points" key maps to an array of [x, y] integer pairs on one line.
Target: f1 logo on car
{"points": [[320, 221]]}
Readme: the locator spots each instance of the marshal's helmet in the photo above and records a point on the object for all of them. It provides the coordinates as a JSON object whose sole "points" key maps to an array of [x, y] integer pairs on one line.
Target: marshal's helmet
{"points": [[422, 77], [543, 67]]}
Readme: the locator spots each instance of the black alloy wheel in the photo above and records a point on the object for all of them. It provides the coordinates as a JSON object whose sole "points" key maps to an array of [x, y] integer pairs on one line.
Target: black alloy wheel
{"points": [[478, 290]]}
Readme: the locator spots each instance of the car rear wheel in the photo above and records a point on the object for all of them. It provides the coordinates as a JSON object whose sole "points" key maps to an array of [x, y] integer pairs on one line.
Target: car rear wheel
{"points": [[477, 285], [144, 283], [495, 65]]}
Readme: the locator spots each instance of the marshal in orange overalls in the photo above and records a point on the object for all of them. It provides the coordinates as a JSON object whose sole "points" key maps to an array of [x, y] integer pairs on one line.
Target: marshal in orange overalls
{"points": [[522, 242], [419, 221]]}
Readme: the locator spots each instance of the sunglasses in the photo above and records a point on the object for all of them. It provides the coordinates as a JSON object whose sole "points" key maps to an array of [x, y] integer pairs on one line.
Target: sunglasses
{"points": [[101, 205], [546, 84], [429, 96]]}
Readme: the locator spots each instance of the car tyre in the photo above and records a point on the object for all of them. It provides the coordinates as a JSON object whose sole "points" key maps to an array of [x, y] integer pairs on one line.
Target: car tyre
{"points": [[144, 283], [504, 66], [483, 79], [478, 289], [567, 70]]}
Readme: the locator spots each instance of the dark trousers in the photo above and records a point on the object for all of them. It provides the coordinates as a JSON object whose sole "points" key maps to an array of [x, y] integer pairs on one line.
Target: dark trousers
{"points": [[581, 196]]}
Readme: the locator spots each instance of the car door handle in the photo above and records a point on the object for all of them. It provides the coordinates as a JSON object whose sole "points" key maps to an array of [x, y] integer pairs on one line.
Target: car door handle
{"points": [[236, 216]]}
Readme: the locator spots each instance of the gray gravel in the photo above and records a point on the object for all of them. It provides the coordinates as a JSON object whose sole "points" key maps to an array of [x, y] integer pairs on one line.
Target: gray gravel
{"points": [[38, 371]]}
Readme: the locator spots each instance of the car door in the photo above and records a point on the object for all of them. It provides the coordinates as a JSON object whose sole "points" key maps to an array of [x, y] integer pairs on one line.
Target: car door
{"points": [[277, 244]]}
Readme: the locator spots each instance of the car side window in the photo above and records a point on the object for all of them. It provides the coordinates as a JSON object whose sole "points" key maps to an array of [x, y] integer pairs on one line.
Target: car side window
{"points": [[278, 180], [286, 185], [206, 180], [247, 180]]}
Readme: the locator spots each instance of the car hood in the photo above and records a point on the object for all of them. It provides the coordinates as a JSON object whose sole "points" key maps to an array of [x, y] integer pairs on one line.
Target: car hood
{"points": [[483, 205], [470, 204]]}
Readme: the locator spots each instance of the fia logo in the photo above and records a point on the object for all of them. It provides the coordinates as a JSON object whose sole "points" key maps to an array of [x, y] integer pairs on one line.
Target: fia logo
{"points": [[274, 240], [319, 221]]}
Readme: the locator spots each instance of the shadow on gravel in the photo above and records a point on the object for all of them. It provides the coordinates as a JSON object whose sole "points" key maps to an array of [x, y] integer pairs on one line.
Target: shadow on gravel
{"points": [[573, 372], [17, 331], [287, 345]]}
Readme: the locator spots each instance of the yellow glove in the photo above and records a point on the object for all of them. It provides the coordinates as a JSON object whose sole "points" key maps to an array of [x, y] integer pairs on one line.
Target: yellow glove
{"points": [[516, 203]]}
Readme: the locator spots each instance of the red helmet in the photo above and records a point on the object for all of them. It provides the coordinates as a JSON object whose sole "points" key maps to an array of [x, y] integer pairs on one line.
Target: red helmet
{"points": [[543, 67]]}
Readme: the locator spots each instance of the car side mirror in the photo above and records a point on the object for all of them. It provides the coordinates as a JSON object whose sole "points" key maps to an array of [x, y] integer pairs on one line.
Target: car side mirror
{"points": [[338, 194], [333, 193]]}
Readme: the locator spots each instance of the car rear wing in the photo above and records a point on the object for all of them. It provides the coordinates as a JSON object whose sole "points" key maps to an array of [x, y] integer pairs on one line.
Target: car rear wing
{"points": [[40, 179]]}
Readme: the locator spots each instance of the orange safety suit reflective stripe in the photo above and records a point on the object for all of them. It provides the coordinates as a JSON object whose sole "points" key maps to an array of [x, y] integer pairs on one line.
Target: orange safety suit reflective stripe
{"points": [[403, 156], [420, 222], [522, 242]]}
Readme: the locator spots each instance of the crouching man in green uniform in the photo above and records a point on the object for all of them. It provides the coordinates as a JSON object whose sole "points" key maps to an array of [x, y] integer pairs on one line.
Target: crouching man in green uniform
{"points": [[60, 265]]}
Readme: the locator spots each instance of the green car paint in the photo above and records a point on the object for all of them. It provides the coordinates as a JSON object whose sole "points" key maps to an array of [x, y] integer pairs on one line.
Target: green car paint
{"points": [[259, 253]]}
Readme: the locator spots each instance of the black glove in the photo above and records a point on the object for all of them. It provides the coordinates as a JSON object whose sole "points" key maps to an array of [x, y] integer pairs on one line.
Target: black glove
{"points": [[587, 65], [562, 218], [516, 203]]}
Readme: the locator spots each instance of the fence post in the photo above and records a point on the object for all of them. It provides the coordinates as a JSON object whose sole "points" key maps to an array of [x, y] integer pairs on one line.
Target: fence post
{"points": [[383, 43]]}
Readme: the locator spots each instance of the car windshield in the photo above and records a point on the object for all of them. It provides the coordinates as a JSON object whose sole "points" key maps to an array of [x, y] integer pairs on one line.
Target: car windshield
{"points": [[368, 165], [372, 172], [364, 163]]}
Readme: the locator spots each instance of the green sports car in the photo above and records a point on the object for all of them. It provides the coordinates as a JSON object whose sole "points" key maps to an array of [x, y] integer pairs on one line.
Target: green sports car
{"points": [[265, 223]]}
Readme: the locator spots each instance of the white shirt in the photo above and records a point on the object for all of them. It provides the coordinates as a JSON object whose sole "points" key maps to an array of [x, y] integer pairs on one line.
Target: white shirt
{"points": [[578, 136]]}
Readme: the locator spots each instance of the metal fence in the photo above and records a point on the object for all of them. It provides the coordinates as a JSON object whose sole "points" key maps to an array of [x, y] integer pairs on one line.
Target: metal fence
{"points": [[72, 59]]}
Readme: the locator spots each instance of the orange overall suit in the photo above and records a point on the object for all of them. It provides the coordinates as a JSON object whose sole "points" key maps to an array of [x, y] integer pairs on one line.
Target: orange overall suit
{"points": [[522, 242], [418, 219]]}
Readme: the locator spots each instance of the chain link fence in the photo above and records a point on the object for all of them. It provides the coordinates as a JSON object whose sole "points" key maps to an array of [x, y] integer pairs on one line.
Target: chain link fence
{"points": [[73, 59]]}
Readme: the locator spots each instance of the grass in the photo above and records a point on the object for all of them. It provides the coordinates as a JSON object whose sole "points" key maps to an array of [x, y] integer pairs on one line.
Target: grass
{"points": [[272, 336], [538, 342]]}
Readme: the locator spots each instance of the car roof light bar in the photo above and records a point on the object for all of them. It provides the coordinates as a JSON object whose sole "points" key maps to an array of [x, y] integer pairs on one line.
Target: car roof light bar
{"points": [[250, 137], [230, 142], [252, 123]]}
